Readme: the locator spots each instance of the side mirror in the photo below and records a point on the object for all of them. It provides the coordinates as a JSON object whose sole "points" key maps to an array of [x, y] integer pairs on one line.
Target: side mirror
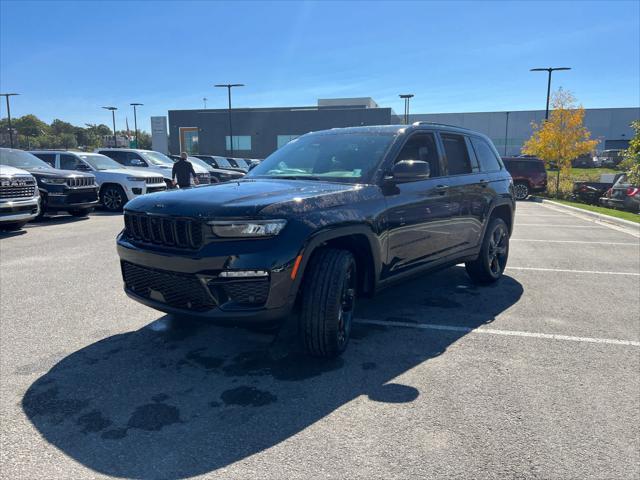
{"points": [[410, 171]]}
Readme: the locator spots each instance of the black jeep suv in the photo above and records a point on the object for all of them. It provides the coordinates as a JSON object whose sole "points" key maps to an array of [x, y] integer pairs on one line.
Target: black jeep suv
{"points": [[330, 216]]}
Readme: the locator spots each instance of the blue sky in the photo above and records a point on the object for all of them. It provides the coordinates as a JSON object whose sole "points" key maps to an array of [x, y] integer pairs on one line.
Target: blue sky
{"points": [[67, 59]]}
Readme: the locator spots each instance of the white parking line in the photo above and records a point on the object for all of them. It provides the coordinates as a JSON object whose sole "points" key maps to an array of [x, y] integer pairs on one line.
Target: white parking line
{"points": [[492, 331], [561, 225], [633, 274], [575, 241]]}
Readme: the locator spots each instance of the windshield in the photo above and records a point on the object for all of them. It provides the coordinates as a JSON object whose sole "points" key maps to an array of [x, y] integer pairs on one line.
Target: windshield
{"points": [[202, 163], [20, 159], [156, 158], [223, 162], [343, 157], [100, 162], [242, 163]]}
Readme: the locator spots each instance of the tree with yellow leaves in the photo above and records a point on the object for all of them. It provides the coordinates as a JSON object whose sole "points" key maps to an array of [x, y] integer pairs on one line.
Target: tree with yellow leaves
{"points": [[563, 137]]}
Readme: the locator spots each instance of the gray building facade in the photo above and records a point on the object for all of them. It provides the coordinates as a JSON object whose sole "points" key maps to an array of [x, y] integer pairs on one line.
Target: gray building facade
{"points": [[258, 132], [509, 130]]}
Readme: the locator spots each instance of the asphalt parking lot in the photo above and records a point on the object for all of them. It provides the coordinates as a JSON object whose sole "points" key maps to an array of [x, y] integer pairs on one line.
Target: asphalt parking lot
{"points": [[537, 376]]}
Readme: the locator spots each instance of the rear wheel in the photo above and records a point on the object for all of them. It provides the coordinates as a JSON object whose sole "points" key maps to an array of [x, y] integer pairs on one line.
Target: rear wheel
{"points": [[113, 198], [328, 302], [491, 262], [521, 191], [43, 206]]}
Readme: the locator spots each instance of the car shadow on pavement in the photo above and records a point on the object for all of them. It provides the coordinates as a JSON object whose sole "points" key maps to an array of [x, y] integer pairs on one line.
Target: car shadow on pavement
{"points": [[54, 220], [181, 397]]}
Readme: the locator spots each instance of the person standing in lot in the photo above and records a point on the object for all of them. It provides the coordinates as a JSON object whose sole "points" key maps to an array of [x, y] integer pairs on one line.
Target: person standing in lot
{"points": [[182, 172]]}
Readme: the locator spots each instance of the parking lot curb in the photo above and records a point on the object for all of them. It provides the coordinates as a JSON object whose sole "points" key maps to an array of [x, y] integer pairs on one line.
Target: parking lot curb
{"points": [[634, 227]]}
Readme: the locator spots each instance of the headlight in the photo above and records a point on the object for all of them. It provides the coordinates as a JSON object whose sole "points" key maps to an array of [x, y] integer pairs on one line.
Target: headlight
{"points": [[54, 181], [247, 229], [136, 179]]}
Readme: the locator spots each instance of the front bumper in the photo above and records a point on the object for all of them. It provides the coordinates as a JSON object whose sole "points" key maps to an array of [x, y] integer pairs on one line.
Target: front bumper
{"points": [[188, 283], [133, 191], [19, 210], [72, 198]]}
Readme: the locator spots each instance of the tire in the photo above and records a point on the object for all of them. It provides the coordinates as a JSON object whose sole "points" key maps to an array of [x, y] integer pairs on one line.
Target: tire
{"points": [[43, 206], [521, 190], [81, 212], [328, 302], [113, 198], [11, 226], [491, 262], [214, 179]]}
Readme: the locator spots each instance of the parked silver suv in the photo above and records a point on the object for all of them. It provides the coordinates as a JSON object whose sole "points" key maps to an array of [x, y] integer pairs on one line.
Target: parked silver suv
{"points": [[19, 198]]}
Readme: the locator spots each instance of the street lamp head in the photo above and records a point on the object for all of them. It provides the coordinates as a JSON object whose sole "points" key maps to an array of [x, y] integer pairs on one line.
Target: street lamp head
{"points": [[406, 95], [8, 94], [229, 85], [549, 69], [136, 104], [110, 108]]}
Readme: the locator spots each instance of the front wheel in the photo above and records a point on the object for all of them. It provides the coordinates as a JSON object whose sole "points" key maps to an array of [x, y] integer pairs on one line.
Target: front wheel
{"points": [[328, 302], [113, 198], [491, 262]]}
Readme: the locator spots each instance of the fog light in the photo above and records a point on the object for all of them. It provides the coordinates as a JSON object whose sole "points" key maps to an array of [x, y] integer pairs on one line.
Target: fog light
{"points": [[243, 273], [136, 191]]}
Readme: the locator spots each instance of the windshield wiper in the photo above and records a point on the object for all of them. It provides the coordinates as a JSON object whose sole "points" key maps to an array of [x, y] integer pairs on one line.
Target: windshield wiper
{"points": [[296, 177]]}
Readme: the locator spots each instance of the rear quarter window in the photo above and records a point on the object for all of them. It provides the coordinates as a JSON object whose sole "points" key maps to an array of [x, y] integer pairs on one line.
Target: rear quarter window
{"points": [[489, 162]]}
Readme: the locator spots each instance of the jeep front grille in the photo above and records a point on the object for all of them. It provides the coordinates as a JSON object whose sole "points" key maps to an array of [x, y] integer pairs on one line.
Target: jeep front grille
{"points": [[17, 187], [76, 182], [179, 290], [168, 231], [155, 180]]}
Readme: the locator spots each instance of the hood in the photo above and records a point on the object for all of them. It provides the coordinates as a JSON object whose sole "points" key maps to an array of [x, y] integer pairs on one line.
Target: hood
{"points": [[6, 170], [250, 198], [130, 172], [54, 172]]}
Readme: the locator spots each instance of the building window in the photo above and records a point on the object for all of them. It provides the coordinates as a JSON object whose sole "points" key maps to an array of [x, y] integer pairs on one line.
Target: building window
{"points": [[240, 142], [284, 139], [189, 140]]}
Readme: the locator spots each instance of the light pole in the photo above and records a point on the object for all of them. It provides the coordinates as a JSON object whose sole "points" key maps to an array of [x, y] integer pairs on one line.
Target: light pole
{"points": [[406, 97], [229, 86], [135, 120], [549, 70], [204, 100], [113, 115], [7, 95]]}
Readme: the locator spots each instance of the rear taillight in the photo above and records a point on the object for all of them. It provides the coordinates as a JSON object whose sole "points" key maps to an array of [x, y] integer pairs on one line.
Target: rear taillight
{"points": [[631, 191]]}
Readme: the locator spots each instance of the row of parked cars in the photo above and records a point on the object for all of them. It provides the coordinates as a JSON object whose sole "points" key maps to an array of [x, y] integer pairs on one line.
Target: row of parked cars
{"points": [[613, 190], [34, 183]]}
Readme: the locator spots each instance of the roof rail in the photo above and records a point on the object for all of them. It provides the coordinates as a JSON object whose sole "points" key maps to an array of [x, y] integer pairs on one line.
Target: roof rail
{"points": [[415, 124]]}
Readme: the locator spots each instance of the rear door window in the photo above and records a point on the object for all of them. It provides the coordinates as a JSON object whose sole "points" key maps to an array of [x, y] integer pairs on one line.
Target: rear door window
{"points": [[50, 158], [458, 160], [486, 156]]}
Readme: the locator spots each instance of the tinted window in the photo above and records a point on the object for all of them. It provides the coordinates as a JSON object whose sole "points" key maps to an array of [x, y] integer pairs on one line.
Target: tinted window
{"points": [[117, 156], [457, 155], [422, 146], [535, 166], [50, 158], [68, 162], [486, 156]]}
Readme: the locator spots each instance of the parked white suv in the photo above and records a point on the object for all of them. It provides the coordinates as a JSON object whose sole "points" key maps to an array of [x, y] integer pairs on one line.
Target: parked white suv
{"points": [[117, 184], [153, 161], [19, 198]]}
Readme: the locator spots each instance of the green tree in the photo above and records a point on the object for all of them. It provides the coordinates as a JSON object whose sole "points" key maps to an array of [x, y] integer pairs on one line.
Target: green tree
{"points": [[631, 156], [59, 127]]}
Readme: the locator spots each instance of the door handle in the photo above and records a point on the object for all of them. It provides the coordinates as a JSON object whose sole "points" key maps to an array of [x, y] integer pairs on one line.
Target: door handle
{"points": [[484, 182], [442, 189]]}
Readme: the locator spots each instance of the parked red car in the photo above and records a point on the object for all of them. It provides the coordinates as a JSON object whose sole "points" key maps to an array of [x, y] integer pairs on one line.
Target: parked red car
{"points": [[528, 173]]}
